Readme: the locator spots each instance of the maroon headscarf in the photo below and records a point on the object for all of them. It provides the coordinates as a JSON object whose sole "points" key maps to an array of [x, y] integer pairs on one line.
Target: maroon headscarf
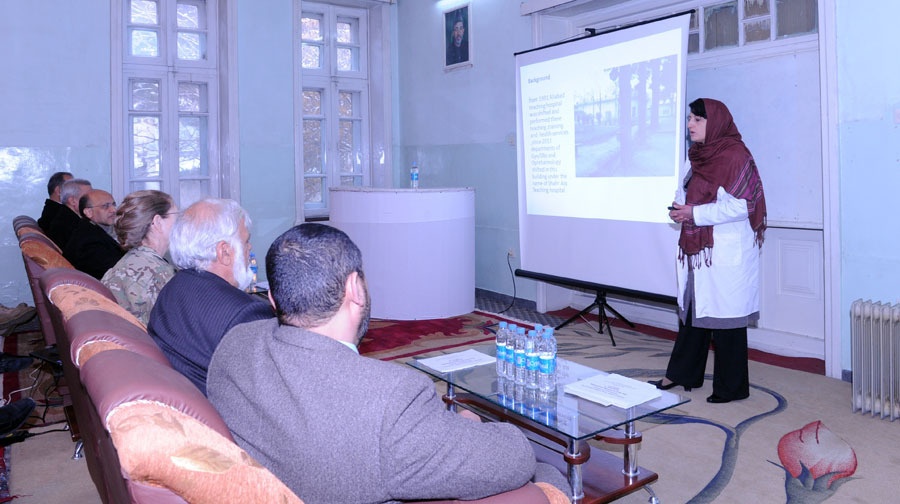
{"points": [[722, 160]]}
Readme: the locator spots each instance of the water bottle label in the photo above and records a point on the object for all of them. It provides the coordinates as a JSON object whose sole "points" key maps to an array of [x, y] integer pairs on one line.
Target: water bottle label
{"points": [[547, 365], [531, 362], [520, 359], [501, 351], [510, 355]]}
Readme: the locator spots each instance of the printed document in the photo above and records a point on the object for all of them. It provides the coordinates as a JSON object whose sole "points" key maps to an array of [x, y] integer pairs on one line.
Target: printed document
{"points": [[456, 361], [613, 389]]}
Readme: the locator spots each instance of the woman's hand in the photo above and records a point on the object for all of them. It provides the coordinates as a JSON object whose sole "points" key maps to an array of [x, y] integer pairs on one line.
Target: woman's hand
{"points": [[681, 213]]}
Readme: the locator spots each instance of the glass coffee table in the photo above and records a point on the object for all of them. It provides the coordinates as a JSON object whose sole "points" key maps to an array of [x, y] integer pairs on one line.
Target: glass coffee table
{"points": [[560, 425]]}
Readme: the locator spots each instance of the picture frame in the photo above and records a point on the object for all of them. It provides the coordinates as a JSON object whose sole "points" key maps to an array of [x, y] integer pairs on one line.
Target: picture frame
{"points": [[458, 49]]}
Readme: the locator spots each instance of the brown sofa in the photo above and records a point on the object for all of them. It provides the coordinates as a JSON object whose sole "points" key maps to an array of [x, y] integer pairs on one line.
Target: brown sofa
{"points": [[149, 435]]}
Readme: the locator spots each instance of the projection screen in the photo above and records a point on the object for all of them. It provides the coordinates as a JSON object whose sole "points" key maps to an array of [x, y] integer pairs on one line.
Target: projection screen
{"points": [[601, 144]]}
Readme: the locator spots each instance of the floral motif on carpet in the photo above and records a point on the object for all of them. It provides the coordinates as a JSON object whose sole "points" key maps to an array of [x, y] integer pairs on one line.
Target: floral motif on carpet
{"points": [[391, 339]]}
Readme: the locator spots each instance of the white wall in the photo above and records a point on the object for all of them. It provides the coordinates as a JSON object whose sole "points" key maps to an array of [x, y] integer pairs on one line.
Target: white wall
{"points": [[54, 112], [460, 125], [869, 153]]}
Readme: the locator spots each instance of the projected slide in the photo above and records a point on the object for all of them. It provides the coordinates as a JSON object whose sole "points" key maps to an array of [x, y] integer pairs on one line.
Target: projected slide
{"points": [[601, 130]]}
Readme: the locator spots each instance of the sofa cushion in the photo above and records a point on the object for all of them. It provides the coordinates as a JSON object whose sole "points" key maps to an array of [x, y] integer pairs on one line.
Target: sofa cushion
{"points": [[72, 299], [160, 446], [43, 255], [93, 331]]}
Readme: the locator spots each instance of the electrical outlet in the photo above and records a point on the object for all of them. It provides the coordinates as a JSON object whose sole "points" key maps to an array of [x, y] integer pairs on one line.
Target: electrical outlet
{"points": [[511, 253]]}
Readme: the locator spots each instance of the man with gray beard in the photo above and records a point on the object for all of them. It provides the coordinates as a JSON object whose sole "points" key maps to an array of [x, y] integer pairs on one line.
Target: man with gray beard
{"points": [[210, 245]]}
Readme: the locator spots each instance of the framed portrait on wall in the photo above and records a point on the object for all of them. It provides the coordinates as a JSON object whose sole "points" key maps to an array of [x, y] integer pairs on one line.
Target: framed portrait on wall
{"points": [[458, 37]]}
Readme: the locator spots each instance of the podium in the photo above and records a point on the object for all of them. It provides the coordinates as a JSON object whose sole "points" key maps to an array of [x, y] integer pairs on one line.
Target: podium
{"points": [[418, 248]]}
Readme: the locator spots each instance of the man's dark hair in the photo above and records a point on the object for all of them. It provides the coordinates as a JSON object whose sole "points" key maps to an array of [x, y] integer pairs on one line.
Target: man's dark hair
{"points": [[56, 180], [84, 202], [307, 267], [698, 108]]}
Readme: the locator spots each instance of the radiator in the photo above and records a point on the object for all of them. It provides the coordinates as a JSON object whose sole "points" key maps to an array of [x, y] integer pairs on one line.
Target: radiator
{"points": [[875, 341]]}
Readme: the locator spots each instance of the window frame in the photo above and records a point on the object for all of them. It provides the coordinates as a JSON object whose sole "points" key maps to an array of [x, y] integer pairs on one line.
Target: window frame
{"points": [[332, 81], [625, 13], [170, 71]]}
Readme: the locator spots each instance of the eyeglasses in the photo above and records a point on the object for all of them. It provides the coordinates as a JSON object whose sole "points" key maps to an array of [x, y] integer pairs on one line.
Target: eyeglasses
{"points": [[105, 206]]}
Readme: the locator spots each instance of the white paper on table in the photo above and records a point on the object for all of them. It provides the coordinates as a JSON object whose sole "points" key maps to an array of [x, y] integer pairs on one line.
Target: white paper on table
{"points": [[613, 389], [456, 361]]}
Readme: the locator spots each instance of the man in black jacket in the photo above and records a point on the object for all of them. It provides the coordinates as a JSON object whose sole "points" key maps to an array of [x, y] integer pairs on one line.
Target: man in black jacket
{"points": [[62, 226], [53, 203], [91, 249]]}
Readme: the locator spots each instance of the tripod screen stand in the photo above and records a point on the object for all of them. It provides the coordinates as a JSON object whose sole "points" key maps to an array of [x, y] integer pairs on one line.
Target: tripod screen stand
{"points": [[600, 299], [601, 305]]}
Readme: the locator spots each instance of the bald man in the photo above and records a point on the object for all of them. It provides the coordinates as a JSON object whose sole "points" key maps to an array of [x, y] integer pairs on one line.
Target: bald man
{"points": [[91, 249]]}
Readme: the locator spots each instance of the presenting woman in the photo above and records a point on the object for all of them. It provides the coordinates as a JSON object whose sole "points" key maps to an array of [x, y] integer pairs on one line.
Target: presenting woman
{"points": [[723, 220], [143, 224]]}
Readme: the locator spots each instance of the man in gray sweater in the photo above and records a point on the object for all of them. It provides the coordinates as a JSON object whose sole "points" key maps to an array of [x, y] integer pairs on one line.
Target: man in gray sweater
{"points": [[338, 427]]}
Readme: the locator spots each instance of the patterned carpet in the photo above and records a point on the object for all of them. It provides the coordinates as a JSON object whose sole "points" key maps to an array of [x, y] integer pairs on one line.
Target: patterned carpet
{"points": [[795, 440], [37, 382]]}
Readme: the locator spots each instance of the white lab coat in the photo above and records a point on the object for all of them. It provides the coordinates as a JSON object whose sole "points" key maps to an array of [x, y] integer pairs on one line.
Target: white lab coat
{"points": [[729, 286]]}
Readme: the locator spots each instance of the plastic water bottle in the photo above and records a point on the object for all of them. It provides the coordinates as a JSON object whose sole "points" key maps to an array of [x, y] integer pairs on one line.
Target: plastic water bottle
{"points": [[521, 338], [519, 403], [547, 356], [546, 400], [511, 352], [501, 389], [414, 175], [254, 268], [502, 333], [532, 408], [532, 362]]}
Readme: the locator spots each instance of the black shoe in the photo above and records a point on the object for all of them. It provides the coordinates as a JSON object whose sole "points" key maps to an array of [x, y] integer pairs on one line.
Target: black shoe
{"points": [[9, 362], [660, 386], [721, 400], [14, 414]]}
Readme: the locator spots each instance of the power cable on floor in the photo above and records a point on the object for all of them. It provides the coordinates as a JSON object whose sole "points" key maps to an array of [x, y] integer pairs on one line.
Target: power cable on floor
{"points": [[513, 276]]}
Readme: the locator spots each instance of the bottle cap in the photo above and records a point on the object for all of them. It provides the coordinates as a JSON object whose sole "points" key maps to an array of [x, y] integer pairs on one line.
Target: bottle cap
{"points": [[503, 324]]}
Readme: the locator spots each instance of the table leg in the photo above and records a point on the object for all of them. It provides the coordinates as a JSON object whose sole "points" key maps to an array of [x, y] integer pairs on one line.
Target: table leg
{"points": [[630, 453], [450, 398], [573, 451]]}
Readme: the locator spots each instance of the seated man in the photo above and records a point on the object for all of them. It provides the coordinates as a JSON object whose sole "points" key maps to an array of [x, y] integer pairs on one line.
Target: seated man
{"points": [[91, 249], [338, 427], [210, 244], [52, 205], [63, 225]]}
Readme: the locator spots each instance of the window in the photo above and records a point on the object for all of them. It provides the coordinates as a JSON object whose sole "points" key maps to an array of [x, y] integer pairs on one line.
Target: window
{"points": [[334, 102], [744, 22], [169, 88]]}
